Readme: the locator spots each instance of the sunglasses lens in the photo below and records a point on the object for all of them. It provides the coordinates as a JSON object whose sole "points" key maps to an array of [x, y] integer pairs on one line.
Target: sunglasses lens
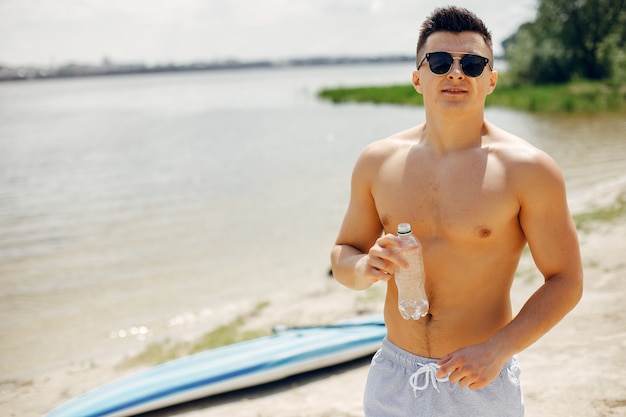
{"points": [[439, 62], [473, 65]]}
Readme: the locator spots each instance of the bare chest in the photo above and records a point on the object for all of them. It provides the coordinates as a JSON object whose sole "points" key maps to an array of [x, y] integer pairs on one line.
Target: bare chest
{"points": [[463, 197]]}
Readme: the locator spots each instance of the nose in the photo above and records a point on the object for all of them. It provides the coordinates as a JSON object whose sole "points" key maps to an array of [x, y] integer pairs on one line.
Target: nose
{"points": [[456, 72]]}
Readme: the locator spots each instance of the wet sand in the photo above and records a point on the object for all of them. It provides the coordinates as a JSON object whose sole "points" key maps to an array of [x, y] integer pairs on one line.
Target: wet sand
{"points": [[575, 370]]}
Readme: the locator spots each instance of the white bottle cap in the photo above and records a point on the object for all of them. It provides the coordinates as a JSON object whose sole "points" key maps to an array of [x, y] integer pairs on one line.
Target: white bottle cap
{"points": [[404, 229]]}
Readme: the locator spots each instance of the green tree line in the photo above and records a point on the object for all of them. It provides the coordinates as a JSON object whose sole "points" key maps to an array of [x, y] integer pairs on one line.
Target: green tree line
{"points": [[570, 39]]}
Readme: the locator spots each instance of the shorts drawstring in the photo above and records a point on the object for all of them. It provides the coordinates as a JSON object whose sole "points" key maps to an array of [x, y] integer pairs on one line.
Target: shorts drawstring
{"points": [[429, 371]]}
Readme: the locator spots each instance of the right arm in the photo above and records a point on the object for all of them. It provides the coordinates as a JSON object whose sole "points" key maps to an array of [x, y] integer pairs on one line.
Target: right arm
{"points": [[361, 256]]}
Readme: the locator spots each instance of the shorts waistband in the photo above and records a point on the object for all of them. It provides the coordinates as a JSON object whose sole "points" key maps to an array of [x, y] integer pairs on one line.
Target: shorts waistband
{"points": [[425, 369], [407, 359], [410, 360]]}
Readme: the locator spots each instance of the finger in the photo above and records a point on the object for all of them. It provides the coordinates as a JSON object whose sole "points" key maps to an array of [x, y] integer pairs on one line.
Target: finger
{"points": [[397, 257], [380, 266], [477, 385], [456, 376], [387, 248], [464, 382], [453, 373], [445, 360], [380, 275], [383, 260], [446, 366], [442, 372]]}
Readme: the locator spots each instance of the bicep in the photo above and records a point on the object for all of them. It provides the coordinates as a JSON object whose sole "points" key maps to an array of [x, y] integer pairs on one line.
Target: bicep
{"points": [[361, 224], [547, 223]]}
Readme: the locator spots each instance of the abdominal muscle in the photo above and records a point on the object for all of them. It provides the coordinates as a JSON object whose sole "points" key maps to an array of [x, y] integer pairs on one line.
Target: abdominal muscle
{"points": [[457, 319]]}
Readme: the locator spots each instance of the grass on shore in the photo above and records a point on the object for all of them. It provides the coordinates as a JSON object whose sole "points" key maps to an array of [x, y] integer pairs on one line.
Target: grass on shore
{"points": [[233, 332], [584, 221], [575, 97]]}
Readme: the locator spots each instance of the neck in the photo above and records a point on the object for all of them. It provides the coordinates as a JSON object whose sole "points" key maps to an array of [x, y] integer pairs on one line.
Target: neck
{"points": [[460, 131]]}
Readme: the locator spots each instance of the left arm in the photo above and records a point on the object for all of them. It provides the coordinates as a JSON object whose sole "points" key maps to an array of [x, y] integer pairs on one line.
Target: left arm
{"points": [[549, 229]]}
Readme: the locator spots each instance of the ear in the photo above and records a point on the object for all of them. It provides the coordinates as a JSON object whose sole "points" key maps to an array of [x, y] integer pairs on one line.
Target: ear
{"points": [[493, 81], [415, 79]]}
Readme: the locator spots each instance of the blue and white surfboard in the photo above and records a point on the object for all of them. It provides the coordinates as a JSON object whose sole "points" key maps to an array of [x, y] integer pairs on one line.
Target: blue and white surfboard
{"points": [[288, 352]]}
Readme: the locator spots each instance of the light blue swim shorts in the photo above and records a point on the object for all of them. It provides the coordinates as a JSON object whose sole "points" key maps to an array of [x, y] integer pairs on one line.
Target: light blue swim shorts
{"points": [[401, 384]]}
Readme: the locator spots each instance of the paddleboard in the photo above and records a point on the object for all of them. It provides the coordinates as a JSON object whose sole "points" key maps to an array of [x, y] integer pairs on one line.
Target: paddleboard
{"points": [[290, 351]]}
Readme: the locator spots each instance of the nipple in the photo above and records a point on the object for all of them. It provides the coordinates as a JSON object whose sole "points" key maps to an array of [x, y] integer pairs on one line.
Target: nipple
{"points": [[484, 232]]}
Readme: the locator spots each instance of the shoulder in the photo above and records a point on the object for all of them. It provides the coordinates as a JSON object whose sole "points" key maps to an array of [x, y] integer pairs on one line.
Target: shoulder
{"points": [[377, 153], [518, 154], [529, 168]]}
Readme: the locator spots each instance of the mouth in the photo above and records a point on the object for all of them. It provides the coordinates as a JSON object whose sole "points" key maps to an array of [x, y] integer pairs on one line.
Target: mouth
{"points": [[453, 90]]}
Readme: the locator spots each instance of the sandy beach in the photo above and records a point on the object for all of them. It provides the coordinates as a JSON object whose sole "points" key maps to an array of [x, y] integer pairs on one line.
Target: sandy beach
{"points": [[569, 372]]}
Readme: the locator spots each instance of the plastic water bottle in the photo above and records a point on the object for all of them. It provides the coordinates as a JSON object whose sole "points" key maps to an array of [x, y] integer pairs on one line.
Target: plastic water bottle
{"points": [[412, 300]]}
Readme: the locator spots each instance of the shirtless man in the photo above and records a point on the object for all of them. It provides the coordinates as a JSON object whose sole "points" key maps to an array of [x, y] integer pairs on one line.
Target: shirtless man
{"points": [[475, 195]]}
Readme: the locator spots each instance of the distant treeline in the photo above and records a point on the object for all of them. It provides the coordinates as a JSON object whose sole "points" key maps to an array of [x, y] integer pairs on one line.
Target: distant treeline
{"points": [[572, 58], [109, 68], [570, 40]]}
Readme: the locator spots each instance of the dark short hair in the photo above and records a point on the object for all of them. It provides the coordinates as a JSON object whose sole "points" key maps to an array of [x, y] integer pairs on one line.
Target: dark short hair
{"points": [[452, 19]]}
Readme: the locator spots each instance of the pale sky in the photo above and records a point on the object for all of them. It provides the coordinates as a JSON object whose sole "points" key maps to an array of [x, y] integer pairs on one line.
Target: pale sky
{"points": [[53, 32]]}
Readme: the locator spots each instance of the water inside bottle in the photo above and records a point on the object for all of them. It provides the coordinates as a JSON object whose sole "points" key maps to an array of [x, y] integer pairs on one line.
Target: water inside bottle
{"points": [[413, 309]]}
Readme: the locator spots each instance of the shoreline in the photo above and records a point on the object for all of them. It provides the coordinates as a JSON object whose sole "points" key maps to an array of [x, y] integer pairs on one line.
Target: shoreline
{"points": [[575, 97], [570, 371], [558, 377], [37, 395]]}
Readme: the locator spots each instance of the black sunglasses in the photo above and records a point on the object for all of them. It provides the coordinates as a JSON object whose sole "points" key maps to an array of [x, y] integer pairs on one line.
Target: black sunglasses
{"points": [[441, 62]]}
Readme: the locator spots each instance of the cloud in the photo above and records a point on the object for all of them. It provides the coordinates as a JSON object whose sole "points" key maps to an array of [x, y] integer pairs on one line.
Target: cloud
{"points": [[41, 31]]}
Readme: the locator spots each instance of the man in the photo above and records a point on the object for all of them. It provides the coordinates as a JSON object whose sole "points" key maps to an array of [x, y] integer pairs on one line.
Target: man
{"points": [[475, 195]]}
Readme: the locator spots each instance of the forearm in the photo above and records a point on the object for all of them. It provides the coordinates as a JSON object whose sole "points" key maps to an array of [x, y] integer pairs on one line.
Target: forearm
{"points": [[543, 310], [348, 264]]}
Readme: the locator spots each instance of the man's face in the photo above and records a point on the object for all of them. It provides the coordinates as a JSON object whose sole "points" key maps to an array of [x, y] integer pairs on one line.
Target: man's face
{"points": [[455, 88]]}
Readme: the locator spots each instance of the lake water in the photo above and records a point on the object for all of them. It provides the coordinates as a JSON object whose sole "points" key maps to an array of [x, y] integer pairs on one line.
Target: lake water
{"points": [[133, 203]]}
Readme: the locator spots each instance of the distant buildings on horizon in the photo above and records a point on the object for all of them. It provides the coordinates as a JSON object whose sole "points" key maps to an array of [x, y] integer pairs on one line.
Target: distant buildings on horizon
{"points": [[107, 67]]}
